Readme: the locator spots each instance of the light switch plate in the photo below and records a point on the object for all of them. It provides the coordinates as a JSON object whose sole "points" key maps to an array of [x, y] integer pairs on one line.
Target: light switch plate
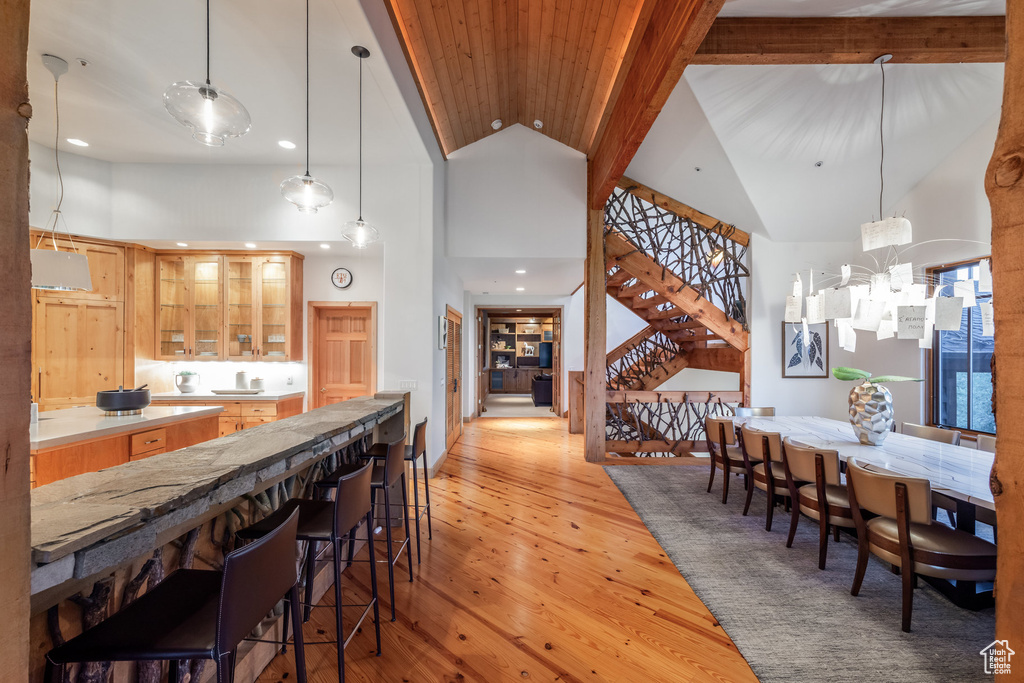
{"points": [[409, 384]]}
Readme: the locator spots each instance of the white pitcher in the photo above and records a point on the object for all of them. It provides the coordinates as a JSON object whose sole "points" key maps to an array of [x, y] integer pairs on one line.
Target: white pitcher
{"points": [[186, 383]]}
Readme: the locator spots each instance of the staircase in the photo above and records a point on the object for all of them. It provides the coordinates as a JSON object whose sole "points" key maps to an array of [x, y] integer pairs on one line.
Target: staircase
{"points": [[680, 271]]}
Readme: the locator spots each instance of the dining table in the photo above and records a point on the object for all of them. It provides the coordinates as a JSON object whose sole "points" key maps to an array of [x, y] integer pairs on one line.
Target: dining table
{"points": [[958, 473]]}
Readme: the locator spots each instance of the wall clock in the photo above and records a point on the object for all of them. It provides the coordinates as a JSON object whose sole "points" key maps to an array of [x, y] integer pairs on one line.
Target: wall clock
{"points": [[341, 278]]}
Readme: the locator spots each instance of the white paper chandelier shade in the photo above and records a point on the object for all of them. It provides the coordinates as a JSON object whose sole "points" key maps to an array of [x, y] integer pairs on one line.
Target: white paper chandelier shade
{"points": [[360, 233], [212, 114], [307, 193], [63, 271]]}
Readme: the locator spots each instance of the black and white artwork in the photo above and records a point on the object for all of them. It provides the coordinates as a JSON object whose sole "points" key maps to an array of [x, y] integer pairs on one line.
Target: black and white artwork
{"points": [[804, 358]]}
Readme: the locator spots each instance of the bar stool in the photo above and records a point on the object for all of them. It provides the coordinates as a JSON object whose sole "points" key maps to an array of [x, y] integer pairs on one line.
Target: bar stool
{"points": [[413, 453], [388, 469], [324, 521], [198, 614]]}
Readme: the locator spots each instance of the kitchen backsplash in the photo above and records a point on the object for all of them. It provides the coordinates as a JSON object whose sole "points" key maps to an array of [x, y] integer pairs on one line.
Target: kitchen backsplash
{"points": [[221, 375]]}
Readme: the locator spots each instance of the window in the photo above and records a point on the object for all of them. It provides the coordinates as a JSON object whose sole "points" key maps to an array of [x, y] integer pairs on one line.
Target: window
{"points": [[961, 373]]}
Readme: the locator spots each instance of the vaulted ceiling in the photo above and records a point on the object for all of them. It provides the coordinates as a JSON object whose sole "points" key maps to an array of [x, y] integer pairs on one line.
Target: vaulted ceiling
{"points": [[477, 61]]}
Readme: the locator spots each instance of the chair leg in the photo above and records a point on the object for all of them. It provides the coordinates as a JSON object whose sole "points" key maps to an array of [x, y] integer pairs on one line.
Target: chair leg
{"points": [[288, 607], [54, 672], [711, 479], [835, 533], [725, 485], [952, 518], [405, 513], [336, 542], [426, 492], [862, 565], [391, 559], [310, 565], [299, 646], [822, 539], [416, 510], [793, 521], [907, 576], [750, 497], [226, 667], [373, 576], [771, 505]]}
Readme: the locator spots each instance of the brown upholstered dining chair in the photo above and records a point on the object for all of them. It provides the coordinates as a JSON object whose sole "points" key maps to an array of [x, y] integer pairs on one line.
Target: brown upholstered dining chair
{"points": [[726, 454], [769, 474], [950, 436], [765, 411], [986, 443], [904, 534], [826, 500]]}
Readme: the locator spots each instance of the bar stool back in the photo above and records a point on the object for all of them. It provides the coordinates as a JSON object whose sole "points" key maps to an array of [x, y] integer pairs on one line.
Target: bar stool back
{"points": [[412, 454], [198, 614]]}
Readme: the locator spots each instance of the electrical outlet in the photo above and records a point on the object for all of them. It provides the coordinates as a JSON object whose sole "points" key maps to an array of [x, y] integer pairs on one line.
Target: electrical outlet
{"points": [[409, 384], [288, 380]]}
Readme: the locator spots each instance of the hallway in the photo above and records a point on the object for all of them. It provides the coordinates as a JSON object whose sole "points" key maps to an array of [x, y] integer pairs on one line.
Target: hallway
{"points": [[538, 570]]}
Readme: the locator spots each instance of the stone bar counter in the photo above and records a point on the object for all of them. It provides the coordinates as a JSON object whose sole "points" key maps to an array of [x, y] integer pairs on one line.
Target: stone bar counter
{"points": [[93, 532]]}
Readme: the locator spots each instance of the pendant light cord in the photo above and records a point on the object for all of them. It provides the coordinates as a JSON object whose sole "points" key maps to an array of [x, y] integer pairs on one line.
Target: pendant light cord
{"points": [[307, 88], [360, 138], [207, 42], [881, 140]]}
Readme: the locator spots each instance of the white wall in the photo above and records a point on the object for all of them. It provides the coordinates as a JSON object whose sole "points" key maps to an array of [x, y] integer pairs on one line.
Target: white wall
{"points": [[87, 191], [516, 193]]}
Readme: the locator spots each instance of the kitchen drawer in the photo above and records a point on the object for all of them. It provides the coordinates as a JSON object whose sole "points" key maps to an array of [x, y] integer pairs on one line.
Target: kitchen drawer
{"points": [[145, 442], [256, 421], [142, 456], [259, 409], [231, 408]]}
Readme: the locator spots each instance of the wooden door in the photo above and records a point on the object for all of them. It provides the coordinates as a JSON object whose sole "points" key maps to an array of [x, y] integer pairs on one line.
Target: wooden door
{"points": [[344, 352], [453, 379], [78, 350], [483, 376], [556, 363]]}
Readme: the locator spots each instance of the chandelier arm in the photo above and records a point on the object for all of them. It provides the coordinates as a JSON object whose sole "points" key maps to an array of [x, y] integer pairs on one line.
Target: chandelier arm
{"points": [[207, 42], [881, 141], [307, 87], [360, 138]]}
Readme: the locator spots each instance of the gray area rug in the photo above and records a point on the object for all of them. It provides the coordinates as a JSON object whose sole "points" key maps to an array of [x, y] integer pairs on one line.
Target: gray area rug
{"points": [[791, 621]]}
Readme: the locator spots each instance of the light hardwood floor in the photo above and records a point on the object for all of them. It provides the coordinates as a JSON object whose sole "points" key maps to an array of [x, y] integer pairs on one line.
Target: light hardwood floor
{"points": [[538, 570]]}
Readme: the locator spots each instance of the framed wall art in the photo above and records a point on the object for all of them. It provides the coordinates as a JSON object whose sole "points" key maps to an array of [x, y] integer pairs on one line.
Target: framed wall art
{"points": [[805, 358]]}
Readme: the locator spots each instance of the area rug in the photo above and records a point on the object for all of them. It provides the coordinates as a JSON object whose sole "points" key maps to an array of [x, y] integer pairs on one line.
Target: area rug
{"points": [[789, 620]]}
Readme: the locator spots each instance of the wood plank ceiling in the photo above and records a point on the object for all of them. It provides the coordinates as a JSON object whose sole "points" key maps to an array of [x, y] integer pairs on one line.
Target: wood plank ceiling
{"points": [[553, 61]]}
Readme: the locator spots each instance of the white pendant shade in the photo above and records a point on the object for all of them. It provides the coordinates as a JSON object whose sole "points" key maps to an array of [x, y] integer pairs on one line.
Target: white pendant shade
{"points": [[307, 193], [60, 270], [360, 233], [213, 115]]}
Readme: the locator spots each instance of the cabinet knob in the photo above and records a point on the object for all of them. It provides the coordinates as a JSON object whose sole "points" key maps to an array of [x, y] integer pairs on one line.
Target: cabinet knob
{"points": [[323, 390]]}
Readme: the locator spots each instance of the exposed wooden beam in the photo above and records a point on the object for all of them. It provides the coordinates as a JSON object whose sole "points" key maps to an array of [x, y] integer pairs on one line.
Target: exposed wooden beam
{"points": [[705, 221], [1004, 183], [853, 40], [594, 339], [623, 348], [673, 32], [724, 359]]}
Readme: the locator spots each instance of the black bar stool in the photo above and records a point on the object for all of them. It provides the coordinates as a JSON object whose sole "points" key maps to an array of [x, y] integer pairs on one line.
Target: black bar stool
{"points": [[198, 614], [413, 453], [324, 521]]}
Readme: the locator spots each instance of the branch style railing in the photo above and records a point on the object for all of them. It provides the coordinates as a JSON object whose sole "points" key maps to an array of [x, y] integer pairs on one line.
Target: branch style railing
{"points": [[704, 256], [663, 423], [628, 368]]}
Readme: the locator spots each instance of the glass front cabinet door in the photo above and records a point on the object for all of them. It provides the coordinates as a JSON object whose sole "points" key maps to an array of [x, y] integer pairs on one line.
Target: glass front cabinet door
{"points": [[280, 314], [190, 311], [240, 296]]}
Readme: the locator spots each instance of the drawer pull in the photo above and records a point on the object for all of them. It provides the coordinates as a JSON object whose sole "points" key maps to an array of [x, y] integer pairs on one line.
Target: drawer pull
{"points": [[152, 441]]}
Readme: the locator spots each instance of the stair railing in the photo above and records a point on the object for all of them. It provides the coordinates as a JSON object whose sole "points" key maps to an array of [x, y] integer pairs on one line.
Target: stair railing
{"points": [[663, 423]]}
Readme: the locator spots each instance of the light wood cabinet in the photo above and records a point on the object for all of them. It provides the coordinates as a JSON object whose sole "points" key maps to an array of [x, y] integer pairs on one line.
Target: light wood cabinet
{"points": [[189, 307], [239, 415], [264, 307]]}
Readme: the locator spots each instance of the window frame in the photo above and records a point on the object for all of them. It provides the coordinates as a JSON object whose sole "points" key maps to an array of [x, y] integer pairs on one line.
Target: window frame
{"points": [[931, 273]]}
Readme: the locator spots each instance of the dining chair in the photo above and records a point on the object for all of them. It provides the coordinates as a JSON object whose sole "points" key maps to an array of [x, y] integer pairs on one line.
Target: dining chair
{"points": [[726, 454], [826, 500], [755, 412], [769, 474], [905, 536], [986, 443], [197, 613], [950, 436]]}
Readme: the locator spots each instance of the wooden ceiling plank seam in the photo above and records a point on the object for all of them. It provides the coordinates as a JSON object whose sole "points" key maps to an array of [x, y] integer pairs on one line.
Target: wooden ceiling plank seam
{"points": [[547, 31], [471, 65], [588, 36], [426, 82], [505, 77], [596, 57], [644, 11], [462, 78], [625, 18], [512, 25], [482, 16], [436, 56], [853, 40], [573, 34], [522, 54], [559, 36], [533, 40], [673, 34]]}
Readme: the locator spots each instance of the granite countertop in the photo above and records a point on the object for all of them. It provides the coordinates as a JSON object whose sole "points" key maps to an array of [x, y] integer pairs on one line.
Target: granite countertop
{"points": [[207, 395], [83, 519], [62, 427]]}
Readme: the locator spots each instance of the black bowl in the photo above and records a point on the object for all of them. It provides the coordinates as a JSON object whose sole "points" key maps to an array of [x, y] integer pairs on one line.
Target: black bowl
{"points": [[121, 399]]}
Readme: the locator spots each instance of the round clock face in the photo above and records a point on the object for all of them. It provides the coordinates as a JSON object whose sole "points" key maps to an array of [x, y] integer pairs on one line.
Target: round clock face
{"points": [[342, 278]]}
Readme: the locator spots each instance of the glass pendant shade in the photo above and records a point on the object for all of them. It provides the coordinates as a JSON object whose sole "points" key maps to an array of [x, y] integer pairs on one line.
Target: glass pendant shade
{"points": [[307, 193], [64, 271], [360, 233], [213, 115]]}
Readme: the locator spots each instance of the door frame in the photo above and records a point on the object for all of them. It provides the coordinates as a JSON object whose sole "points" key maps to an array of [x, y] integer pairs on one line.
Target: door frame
{"points": [[454, 316], [313, 309]]}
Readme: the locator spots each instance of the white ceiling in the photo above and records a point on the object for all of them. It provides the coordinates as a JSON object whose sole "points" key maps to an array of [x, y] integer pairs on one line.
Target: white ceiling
{"points": [[137, 48], [544, 276], [830, 8]]}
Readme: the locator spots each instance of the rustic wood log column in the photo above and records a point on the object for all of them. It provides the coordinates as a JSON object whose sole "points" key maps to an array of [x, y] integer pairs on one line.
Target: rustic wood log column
{"points": [[15, 336], [594, 338], [1004, 183]]}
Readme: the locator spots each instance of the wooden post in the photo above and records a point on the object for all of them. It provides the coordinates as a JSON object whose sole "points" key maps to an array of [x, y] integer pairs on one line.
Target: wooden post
{"points": [[1004, 183], [15, 338], [594, 338]]}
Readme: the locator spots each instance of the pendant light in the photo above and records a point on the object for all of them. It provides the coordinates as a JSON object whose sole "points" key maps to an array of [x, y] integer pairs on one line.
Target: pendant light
{"points": [[305, 191], [212, 114], [359, 232], [51, 269]]}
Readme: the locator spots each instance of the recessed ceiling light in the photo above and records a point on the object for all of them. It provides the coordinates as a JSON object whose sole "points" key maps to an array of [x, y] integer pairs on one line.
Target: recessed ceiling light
{"points": [[496, 124], [325, 246], [287, 144], [519, 289], [520, 272], [519, 310], [182, 244], [78, 143], [250, 245], [538, 124]]}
